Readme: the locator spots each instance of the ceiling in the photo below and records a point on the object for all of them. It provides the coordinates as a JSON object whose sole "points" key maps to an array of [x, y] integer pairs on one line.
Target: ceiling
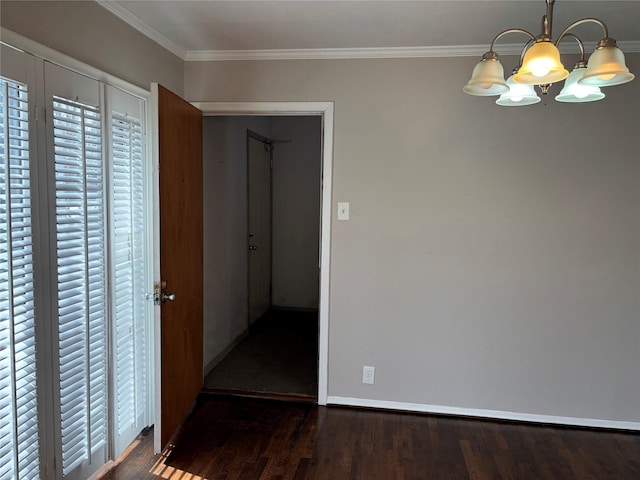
{"points": [[201, 30]]}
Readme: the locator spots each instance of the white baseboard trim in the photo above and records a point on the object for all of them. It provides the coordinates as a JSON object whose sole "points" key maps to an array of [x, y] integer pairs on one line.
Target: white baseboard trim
{"points": [[481, 413]]}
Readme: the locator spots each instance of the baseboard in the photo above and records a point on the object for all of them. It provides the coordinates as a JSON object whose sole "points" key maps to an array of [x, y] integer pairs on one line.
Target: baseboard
{"points": [[218, 358], [480, 413]]}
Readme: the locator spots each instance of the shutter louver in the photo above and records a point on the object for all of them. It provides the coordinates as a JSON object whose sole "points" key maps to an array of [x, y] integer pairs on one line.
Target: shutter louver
{"points": [[80, 252], [18, 396]]}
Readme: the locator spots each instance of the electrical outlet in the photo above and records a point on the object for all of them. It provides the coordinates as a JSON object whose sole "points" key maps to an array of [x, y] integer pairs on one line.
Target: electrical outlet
{"points": [[368, 375]]}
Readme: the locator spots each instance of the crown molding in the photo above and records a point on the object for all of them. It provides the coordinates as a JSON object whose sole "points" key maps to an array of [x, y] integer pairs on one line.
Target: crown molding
{"points": [[144, 28], [390, 52], [338, 53]]}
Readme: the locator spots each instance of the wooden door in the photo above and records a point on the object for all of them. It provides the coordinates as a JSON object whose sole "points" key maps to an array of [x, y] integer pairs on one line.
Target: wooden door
{"points": [[180, 191], [259, 185]]}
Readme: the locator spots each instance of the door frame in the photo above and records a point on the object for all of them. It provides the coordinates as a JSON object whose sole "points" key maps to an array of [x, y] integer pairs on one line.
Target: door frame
{"points": [[325, 111]]}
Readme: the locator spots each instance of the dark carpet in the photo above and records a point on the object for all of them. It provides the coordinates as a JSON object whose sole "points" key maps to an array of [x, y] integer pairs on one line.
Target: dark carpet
{"points": [[280, 356]]}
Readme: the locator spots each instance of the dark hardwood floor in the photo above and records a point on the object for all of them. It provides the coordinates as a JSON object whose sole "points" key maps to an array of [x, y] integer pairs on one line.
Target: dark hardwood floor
{"points": [[235, 438]]}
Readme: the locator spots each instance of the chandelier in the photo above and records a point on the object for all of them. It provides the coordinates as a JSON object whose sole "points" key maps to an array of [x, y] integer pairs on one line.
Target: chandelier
{"points": [[540, 65]]}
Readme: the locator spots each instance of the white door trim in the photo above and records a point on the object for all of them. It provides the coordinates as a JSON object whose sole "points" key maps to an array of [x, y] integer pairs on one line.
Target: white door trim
{"points": [[325, 110]]}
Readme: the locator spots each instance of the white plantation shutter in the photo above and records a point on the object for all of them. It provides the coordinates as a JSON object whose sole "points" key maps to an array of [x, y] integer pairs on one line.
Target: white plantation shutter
{"points": [[81, 286], [18, 396], [128, 269], [100, 272], [73, 271]]}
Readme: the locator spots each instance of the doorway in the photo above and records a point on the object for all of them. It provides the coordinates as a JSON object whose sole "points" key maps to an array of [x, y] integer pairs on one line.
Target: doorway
{"points": [[231, 241]]}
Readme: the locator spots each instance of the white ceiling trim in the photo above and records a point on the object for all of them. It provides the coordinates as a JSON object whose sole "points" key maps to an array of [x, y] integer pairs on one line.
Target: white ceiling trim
{"points": [[125, 15], [391, 52], [338, 53]]}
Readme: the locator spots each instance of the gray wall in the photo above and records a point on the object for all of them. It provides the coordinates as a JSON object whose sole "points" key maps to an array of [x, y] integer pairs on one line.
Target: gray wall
{"points": [[89, 33], [492, 259], [296, 211]]}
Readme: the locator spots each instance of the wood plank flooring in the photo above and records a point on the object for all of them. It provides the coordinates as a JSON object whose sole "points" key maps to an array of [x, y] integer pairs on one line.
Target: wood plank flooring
{"points": [[235, 438]]}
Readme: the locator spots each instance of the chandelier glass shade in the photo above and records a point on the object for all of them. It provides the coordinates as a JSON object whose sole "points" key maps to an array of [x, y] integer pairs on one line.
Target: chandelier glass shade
{"points": [[574, 92], [540, 64], [606, 67], [518, 95], [487, 79]]}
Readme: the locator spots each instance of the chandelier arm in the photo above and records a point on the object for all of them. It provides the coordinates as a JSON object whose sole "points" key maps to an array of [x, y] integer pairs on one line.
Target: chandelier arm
{"points": [[505, 32], [605, 30], [580, 44]]}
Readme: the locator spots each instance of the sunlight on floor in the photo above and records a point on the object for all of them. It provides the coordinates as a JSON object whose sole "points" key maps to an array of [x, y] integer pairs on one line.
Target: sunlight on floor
{"points": [[161, 470], [165, 471]]}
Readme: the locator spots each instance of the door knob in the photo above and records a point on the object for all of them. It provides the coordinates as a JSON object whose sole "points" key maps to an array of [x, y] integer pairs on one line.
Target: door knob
{"points": [[171, 297], [166, 296], [252, 247]]}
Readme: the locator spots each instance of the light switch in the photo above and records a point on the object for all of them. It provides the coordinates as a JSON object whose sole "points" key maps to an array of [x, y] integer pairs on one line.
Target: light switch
{"points": [[343, 210]]}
